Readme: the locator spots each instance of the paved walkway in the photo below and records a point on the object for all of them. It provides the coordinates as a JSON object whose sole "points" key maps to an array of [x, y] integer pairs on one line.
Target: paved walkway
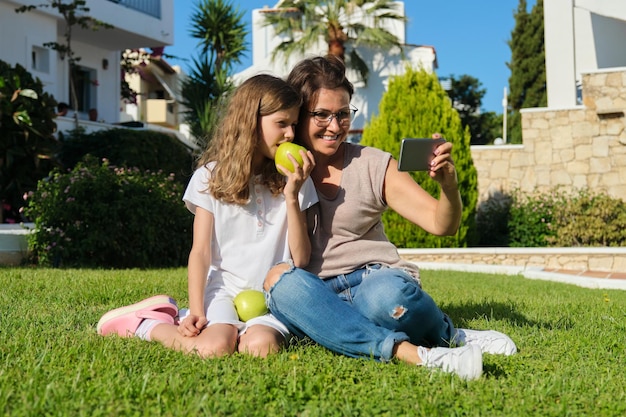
{"points": [[589, 274], [588, 279]]}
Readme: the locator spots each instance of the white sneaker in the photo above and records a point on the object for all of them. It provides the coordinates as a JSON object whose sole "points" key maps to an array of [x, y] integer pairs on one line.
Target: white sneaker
{"points": [[465, 361], [489, 341]]}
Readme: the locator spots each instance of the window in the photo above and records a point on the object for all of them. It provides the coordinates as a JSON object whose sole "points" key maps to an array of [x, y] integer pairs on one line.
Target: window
{"points": [[40, 59], [85, 82]]}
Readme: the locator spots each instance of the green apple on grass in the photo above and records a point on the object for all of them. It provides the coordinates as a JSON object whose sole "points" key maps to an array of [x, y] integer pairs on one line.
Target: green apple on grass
{"points": [[281, 157], [250, 304]]}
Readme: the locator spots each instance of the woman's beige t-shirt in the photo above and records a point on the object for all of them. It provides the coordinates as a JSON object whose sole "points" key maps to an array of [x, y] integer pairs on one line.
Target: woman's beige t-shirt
{"points": [[347, 231]]}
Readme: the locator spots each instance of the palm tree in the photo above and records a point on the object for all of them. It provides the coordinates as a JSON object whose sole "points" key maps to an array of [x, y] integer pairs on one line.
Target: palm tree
{"points": [[221, 32], [343, 24], [219, 27]]}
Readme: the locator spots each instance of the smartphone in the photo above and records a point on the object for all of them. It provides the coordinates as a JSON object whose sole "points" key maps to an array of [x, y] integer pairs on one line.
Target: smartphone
{"points": [[416, 154]]}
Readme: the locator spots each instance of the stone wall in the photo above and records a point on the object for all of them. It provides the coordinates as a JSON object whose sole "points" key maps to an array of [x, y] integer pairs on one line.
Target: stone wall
{"points": [[581, 147], [578, 259]]}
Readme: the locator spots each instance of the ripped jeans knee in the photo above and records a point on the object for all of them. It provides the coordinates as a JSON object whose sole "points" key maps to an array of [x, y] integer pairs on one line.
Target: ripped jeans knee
{"points": [[275, 272], [393, 299], [398, 312]]}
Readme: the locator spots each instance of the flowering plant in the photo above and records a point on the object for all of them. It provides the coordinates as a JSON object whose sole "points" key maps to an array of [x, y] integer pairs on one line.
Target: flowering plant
{"points": [[98, 215]]}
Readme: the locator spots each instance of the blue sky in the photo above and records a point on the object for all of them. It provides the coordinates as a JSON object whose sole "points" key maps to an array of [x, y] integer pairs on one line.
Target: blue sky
{"points": [[469, 37]]}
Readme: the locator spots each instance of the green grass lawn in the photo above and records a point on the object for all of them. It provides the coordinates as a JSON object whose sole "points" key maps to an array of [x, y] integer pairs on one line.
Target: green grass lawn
{"points": [[571, 360]]}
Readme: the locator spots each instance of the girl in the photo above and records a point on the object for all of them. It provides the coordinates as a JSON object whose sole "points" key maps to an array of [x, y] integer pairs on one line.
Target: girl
{"points": [[243, 208]]}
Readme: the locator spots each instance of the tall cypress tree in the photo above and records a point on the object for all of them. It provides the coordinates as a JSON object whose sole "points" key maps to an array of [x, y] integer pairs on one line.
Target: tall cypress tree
{"points": [[415, 105], [527, 83]]}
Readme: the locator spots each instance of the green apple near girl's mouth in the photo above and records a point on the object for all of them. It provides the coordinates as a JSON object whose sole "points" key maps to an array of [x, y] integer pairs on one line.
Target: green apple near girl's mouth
{"points": [[250, 304], [281, 157]]}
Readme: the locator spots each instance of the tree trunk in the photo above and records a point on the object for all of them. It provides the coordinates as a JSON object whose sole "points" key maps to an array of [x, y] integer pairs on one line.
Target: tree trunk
{"points": [[74, 96], [337, 49]]}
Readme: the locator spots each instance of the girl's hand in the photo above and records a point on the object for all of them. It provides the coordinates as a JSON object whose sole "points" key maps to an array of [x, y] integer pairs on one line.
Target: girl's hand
{"points": [[442, 167], [192, 325], [301, 173]]}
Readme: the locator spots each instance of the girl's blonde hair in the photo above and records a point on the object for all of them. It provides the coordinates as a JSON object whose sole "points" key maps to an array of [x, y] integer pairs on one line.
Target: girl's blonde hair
{"points": [[237, 134]]}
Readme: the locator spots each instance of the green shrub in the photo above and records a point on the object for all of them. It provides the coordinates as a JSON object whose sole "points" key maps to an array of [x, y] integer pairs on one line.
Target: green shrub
{"points": [[415, 105], [142, 149], [98, 215], [27, 144], [590, 219], [531, 218], [492, 217], [564, 219]]}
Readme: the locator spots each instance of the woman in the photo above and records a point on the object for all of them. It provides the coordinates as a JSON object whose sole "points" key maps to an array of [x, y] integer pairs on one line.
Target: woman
{"points": [[368, 302]]}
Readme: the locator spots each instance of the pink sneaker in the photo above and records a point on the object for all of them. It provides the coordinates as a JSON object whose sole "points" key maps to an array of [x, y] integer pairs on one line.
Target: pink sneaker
{"points": [[124, 321]]}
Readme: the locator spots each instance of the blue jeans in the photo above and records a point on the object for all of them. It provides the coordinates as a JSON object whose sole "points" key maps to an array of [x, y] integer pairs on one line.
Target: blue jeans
{"points": [[361, 314]]}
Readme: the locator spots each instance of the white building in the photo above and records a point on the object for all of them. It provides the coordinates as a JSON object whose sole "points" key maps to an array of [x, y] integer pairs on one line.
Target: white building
{"points": [[581, 36], [382, 64], [137, 24]]}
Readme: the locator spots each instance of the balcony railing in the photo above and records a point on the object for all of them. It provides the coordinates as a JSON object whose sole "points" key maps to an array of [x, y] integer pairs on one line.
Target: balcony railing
{"points": [[148, 7]]}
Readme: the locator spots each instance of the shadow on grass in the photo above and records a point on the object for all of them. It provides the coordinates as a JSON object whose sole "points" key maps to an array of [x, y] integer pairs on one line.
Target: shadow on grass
{"points": [[462, 314], [494, 370]]}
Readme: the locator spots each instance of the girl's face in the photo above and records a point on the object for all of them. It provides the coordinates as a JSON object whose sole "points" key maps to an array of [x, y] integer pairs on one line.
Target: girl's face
{"points": [[275, 129], [321, 139]]}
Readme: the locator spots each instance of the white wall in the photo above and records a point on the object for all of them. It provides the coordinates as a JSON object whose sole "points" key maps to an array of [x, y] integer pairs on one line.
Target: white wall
{"points": [[133, 29], [610, 41], [159, 31], [581, 36], [18, 34]]}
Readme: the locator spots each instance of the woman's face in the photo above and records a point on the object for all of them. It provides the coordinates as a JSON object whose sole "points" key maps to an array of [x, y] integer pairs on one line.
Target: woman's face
{"points": [[320, 139]]}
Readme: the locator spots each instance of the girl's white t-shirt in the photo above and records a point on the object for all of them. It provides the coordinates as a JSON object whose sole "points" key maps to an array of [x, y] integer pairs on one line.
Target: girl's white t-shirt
{"points": [[248, 240]]}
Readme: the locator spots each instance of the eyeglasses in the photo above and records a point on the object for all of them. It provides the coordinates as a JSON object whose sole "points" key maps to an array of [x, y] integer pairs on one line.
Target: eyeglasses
{"points": [[322, 118]]}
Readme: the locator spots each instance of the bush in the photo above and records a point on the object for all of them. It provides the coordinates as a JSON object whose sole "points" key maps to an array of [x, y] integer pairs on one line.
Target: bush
{"points": [[415, 105], [531, 218], [27, 143], [555, 218], [590, 219], [492, 218], [98, 215], [142, 149]]}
